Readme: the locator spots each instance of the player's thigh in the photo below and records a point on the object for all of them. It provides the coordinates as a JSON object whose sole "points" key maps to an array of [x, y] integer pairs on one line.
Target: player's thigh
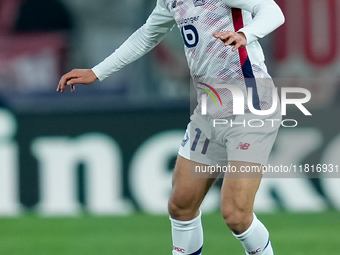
{"points": [[187, 192], [244, 145], [239, 190]]}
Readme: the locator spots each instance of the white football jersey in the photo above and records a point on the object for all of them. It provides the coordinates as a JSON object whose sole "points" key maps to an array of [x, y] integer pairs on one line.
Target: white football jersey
{"points": [[209, 60]]}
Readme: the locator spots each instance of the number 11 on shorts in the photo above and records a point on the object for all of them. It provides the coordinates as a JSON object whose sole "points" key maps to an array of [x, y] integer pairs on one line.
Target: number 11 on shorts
{"points": [[197, 137]]}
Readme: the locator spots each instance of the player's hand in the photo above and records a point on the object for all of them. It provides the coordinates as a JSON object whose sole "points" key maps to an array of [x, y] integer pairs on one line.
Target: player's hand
{"points": [[232, 38], [76, 76]]}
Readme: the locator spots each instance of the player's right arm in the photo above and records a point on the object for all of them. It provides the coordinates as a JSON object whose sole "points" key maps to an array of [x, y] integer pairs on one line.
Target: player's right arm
{"points": [[159, 23]]}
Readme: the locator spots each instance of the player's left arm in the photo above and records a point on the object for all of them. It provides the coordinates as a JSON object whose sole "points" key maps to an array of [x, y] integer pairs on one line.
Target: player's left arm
{"points": [[267, 16]]}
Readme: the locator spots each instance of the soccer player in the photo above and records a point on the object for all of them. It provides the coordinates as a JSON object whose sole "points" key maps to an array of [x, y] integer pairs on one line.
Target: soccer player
{"points": [[221, 46]]}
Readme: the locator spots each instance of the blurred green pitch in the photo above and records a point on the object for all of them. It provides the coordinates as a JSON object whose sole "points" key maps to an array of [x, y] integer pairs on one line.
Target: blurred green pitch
{"points": [[291, 234]]}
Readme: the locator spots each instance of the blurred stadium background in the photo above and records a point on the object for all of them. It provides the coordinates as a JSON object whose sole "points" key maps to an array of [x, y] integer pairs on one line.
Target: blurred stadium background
{"points": [[90, 172]]}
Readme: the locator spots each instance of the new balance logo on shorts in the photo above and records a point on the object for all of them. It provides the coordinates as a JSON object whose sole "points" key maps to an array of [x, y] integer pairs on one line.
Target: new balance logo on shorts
{"points": [[179, 249], [243, 146]]}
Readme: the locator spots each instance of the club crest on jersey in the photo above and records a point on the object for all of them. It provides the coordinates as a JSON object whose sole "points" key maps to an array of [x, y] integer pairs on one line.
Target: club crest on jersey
{"points": [[185, 139], [199, 2], [173, 4]]}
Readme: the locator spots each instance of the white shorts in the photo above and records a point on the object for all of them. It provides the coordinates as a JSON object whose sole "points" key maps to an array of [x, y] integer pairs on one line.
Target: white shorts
{"points": [[212, 142]]}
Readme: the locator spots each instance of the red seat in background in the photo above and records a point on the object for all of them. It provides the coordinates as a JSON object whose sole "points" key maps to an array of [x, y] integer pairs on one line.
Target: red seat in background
{"points": [[29, 61]]}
